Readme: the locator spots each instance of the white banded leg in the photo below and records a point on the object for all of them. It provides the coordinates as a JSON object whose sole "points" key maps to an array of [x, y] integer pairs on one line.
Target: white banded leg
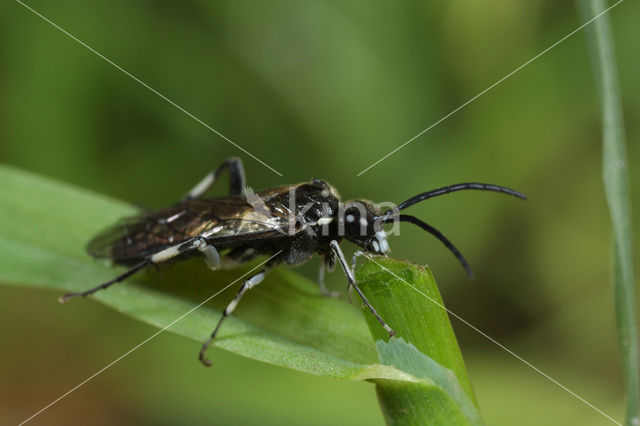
{"points": [[236, 180], [211, 255], [121, 277], [247, 285], [155, 259], [352, 282]]}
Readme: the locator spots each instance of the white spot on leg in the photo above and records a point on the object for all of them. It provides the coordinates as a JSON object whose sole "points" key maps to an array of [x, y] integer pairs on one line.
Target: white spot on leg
{"points": [[211, 255], [248, 284], [200, 244], [232, 306], [165, 254], [202, 187], [255, 280]]}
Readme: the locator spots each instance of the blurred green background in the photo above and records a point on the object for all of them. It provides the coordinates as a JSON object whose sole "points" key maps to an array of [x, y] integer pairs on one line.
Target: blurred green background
{"points": [[325, 89]]}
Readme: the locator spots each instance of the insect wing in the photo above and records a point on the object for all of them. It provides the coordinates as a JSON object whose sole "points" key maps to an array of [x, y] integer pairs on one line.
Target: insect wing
{"points": [[101, 246], [223, 221]]}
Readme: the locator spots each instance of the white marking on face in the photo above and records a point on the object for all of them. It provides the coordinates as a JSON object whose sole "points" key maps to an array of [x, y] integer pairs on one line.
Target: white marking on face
{"points": [[350, 218]]}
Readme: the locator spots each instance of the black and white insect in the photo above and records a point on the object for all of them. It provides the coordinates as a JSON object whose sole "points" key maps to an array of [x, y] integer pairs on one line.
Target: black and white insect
{"points": [[290, 224]]}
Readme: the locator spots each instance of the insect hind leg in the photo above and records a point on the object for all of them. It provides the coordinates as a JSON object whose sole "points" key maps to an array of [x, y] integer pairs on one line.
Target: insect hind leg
{"points": [[65, 298], [237, 183], [155, 259], [247, 285]]}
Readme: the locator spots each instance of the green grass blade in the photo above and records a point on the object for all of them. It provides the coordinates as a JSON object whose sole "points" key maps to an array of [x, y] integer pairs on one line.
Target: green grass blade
{"points": [[616, 183], [432, 351]]}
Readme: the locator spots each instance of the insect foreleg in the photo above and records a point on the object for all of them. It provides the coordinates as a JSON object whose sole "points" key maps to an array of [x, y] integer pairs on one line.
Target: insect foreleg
{"points": [[236, 180], [247, 285], [352, 282]]}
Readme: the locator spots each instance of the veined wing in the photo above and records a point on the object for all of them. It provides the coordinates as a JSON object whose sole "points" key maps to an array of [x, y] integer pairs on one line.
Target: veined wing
{"points": [[225, 222]]}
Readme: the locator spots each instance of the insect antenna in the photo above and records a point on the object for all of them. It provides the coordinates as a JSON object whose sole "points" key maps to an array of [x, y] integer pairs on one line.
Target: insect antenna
{"points": [[458, 187], [439, 235]]}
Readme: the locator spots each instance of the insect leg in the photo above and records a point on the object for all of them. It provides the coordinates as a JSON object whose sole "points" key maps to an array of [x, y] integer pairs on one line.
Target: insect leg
{"points": [[352, 281], [323, 288], [247, 285], [155, 259], [236, 180], [211, 255], [109, 283], [354, 259]]}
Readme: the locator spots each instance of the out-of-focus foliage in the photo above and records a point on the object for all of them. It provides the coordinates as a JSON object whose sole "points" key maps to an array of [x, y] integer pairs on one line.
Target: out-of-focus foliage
{"points": [[615, 174], [325, 89]]}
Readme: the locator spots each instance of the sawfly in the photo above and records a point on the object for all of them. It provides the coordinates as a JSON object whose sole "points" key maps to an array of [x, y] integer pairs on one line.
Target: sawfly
{"points": [[290, 224]]}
